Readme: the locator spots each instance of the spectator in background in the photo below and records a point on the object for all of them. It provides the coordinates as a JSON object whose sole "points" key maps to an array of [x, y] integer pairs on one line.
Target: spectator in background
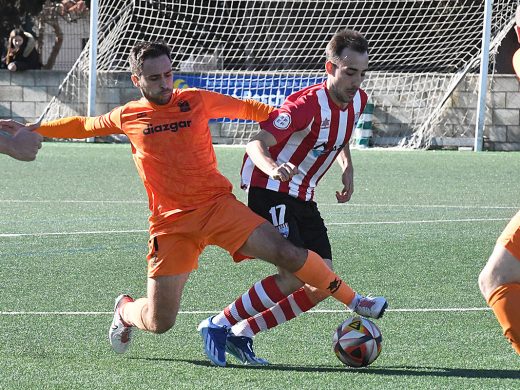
{"points": [[21, 51]]}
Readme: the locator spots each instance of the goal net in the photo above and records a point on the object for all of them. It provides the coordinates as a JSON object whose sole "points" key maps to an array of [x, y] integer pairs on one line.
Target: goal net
{"points": [[420, 50]]}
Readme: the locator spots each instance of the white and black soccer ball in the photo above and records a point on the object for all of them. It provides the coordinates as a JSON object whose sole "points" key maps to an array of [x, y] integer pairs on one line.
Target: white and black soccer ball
{"points": [[357, 342]]}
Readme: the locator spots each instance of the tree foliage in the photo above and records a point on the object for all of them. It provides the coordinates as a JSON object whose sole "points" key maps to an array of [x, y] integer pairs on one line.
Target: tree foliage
{"points": [[33, 15], [18, 13]]}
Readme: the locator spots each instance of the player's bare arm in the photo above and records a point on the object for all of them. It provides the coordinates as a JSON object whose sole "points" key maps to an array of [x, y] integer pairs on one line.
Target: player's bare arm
{"points": [[258, 151], [347, 177]]}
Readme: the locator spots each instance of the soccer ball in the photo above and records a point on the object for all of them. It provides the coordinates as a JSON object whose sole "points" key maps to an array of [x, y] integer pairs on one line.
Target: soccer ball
{"points": [[357, 342]]}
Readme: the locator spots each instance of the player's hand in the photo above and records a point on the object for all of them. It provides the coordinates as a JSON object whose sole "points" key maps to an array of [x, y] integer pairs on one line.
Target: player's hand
{"points": [[24, 145], [10, 126], [345, 194], [284, 172]]}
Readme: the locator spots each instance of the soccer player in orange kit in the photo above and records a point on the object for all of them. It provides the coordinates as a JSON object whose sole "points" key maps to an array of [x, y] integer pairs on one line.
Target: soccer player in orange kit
{"points": [[499, 281], [191, 202]]}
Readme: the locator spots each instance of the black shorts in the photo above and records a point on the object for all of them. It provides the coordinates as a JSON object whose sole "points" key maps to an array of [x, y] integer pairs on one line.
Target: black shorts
{"points": [[297, 220]]}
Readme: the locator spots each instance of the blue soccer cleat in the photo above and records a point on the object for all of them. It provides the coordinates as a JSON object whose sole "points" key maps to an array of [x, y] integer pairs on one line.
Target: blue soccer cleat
{"points": [[241, 347], [214, 339]]}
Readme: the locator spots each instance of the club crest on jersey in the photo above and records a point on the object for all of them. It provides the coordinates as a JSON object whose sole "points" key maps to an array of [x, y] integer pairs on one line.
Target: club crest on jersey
{"points": [[184, 106], [325, 124], [282, 121]]}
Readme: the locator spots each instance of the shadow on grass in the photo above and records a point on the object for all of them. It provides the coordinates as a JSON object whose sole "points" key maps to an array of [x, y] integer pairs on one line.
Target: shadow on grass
{"points": [[388, 371]]}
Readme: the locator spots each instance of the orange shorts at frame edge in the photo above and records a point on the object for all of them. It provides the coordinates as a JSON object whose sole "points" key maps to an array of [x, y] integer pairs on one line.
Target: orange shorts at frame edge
{"points": [[226, 222]]}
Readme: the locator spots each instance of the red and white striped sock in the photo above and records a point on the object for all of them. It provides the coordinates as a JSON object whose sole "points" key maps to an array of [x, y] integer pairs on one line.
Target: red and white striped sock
{"points": [[285, 310], [261, 296]]}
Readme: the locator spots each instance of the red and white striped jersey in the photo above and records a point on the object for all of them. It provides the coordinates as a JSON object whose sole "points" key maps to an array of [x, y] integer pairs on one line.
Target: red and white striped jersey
{"points": [[310, 131]]}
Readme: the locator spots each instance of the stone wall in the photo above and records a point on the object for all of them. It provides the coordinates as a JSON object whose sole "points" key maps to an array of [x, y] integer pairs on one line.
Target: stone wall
{"points": [[24, 96], [456, 124]]}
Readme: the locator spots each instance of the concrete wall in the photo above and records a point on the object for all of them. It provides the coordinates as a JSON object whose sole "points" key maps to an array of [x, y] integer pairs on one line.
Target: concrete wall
{"points": [[456, 124], [502, 120], [24, 96]]}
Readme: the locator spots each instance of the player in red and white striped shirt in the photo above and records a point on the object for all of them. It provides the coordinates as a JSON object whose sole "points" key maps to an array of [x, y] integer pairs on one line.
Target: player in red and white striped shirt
{"points": [[310, 131], [284, 162]]}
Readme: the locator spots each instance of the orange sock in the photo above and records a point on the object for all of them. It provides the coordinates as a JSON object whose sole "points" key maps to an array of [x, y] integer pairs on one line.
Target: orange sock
{"points": [[505, 302], [316, 273]]}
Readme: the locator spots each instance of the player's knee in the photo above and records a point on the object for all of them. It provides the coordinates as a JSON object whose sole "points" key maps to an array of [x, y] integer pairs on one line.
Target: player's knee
{"points": [[483, 281], [493, 275], [489, 279], [161, 325], [290, 257]]}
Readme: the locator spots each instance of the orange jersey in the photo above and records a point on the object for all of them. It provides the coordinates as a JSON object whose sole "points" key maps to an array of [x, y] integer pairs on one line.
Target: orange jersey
{"points": [[171, 146]]}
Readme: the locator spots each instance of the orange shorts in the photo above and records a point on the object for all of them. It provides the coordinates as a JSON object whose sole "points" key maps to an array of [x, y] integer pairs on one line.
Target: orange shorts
{"points": [[510, 237], [226, 223]]}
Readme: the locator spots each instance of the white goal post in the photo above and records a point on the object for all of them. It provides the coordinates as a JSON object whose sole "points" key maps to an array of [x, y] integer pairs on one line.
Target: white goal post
{"points": [[420, 50]]}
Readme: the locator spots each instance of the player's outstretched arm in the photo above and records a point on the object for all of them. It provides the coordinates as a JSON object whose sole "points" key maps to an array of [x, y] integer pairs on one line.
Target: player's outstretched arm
{"points": [[80, 127], [254, 110], [224, 106], [258, 151], [18, 141]]}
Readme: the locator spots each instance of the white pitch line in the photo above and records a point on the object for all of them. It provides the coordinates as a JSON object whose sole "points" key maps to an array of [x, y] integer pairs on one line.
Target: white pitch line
{"points": [[318, 311], [420, 221], [71, 233], [328, 224], [423, 206], [71, 201], [320, 204]]}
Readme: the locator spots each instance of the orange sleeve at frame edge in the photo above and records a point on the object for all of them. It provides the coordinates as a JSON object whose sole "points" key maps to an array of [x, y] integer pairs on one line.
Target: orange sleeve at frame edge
{"points": [[76, 127]]}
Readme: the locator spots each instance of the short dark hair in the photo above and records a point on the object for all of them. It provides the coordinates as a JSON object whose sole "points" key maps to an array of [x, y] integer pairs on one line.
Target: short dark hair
{"points": [[143, 50], [345, 39]]}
